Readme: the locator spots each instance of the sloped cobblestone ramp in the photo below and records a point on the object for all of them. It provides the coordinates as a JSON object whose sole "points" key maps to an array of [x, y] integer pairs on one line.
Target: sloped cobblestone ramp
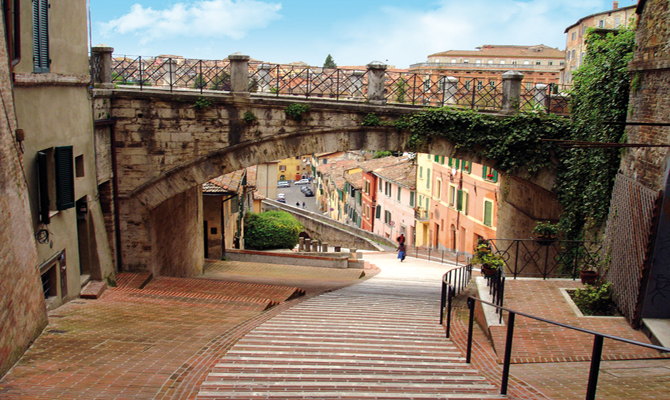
{"points": [[378, 339]]}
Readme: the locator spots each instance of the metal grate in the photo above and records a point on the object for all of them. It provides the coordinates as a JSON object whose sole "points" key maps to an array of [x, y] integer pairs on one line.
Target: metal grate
{"points": [[627, 241]]}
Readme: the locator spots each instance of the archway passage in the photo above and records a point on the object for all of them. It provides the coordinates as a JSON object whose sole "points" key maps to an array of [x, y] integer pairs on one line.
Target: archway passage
{"points": [[165, 149]]}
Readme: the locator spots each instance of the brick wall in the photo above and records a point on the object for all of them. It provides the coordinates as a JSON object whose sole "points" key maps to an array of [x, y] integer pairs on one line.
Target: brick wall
{"points": [[650, 96], [22, 307]]}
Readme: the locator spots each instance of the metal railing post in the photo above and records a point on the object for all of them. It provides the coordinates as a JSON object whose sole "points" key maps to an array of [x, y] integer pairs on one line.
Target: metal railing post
{"points": [[508, 353], [449, 298], [595, 367], [471, 306], [443, 300]]}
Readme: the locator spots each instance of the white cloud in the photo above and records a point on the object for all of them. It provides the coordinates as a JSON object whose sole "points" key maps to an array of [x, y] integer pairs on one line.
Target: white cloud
{"points": [[406, 36], [203, 18]]}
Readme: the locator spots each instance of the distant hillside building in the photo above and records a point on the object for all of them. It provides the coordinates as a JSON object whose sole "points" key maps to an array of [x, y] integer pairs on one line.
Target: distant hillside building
{"points": [[575, 48], [539, 64]]}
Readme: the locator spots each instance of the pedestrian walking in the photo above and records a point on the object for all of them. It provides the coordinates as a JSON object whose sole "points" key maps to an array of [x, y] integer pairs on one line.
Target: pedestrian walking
{"points": [[401, 252], [401, 239], [303, 205], [297, 204]]}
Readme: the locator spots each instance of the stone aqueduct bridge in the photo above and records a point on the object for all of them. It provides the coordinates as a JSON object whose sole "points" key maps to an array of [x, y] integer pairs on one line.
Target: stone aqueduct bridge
{"points": [[164, 149]]}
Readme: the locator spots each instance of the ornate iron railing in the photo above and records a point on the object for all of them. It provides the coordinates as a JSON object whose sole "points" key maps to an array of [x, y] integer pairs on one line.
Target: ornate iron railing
{"points": [[425, 90], [169, 72], [547, 259]]}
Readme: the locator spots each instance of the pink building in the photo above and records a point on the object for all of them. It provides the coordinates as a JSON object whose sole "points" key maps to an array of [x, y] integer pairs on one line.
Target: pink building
{"points": [[396, 196]]}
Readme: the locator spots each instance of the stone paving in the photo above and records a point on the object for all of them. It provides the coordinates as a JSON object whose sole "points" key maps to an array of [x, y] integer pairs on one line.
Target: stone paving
{"points": [[170, 340]]}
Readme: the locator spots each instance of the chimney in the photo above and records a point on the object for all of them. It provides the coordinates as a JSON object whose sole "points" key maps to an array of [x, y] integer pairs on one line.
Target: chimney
{"points": [[615, 5]]}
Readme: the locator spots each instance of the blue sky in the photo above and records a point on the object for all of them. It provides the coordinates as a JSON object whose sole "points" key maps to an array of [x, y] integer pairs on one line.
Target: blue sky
{"points": [[397, 32]]}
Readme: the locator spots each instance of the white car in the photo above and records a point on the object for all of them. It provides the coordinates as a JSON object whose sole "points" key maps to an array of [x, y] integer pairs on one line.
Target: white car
{"points": [[302, 182], [282, 184], [281, 196]]}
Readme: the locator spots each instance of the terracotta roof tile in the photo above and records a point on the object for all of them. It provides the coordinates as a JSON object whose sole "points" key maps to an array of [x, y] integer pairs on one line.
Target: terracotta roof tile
{"points": [[401, 174], [538, 51]]}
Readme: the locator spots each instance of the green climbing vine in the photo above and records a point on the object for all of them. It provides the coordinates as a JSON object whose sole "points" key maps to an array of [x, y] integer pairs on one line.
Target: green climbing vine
{"points": [[518, 142]]}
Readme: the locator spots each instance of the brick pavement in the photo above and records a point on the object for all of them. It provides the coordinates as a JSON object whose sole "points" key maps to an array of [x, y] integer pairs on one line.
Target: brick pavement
{"points": [[158, 345], [149, 343]]}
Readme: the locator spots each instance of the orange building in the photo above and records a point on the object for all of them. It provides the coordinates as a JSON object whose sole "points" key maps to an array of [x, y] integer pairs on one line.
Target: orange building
{"points": [[539, 64], [575, 48]]}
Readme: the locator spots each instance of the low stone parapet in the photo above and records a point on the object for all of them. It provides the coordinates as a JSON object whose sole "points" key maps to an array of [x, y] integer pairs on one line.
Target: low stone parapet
{"points": [[322, 260]]}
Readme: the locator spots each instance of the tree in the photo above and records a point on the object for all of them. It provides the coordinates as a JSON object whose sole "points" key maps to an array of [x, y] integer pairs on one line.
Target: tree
{"points": [[199, 82], [271, 230], [330, 63]]}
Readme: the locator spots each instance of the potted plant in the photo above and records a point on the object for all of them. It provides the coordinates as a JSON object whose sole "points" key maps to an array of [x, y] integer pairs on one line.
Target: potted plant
{"points": [[545, 233], [589, 274], [490, 263]]}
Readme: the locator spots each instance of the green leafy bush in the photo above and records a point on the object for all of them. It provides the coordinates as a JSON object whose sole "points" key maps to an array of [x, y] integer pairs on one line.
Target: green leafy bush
{"points": [[594, 300], [202, 103], [295, 111], [271, 230]]}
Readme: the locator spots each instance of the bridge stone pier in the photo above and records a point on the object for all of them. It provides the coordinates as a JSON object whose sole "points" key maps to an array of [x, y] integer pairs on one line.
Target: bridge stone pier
{"points": [[164, 144]]}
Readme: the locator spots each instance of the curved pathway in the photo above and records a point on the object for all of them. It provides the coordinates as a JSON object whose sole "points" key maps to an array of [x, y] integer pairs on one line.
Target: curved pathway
{"points": [[378, 339]]}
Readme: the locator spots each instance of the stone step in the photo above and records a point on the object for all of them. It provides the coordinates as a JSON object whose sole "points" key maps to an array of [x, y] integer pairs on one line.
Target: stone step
{"points": [[345, 361], [93, 290], [349, 376], [343, 395], [353, 367]]}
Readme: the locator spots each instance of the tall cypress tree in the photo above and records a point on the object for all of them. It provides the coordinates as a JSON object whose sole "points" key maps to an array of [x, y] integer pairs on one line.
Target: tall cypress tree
{"points": [[330, 63]]}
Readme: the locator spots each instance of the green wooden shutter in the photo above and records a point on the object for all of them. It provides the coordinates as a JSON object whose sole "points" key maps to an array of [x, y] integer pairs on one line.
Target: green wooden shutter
{"points": [[41, 36], [63, 159], [437, 158], [457, 164], [459, 200], [495, 176], [484, 168], [488, 213], [378, 213], [43, 187], [411, 199], [451, 161]]}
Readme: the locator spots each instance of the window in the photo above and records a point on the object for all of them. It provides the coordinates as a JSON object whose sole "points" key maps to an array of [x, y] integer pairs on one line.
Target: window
{"points": [[452, 196], [526, 62], [282, 168], [538, 62], [514, 62], [387, 189], [41, 36], [367, 187], [411, 199], [466, 166], [12, 31], [467, 85], [601, 23], [428, 178], [488, 213], [79, 166], [462, 198], [574, 35], [378, 213], [453, 61], [490, 62], [420, 172], [387, 216], [489, 174], [438, 189], [617, 22], [55, 176], [399, 194], [297, 168], [480, 85], [502, 62], [550, 63], [437, 158], [466, 61], [478, 62], [529, 85]]}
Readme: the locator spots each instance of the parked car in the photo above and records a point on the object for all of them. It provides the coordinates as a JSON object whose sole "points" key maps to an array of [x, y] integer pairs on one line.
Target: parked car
{"points": [[282, 184], [304, 188], [308, 193], [303, 181], [282, 200]]}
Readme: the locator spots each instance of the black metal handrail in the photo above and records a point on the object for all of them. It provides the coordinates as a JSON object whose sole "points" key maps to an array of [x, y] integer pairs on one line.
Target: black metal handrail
{"points": [[455, 280], [547, 259], [453, 283], [595, 357]]}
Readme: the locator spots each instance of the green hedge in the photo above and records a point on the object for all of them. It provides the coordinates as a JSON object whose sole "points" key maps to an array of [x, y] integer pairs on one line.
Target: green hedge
{"points": [[271, 230]]}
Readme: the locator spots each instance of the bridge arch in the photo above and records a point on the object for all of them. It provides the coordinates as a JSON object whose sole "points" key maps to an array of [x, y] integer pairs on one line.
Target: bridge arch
{"points": [[165, 149]]}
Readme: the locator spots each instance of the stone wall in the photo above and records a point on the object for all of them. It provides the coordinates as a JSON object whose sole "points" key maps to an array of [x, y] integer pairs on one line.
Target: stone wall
{"points": [[22, 306], [650, 96], [178, 230]]}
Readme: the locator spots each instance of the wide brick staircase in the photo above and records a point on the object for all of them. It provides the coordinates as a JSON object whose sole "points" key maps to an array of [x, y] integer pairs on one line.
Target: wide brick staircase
{"points": [[375, 340], [205, 291]]}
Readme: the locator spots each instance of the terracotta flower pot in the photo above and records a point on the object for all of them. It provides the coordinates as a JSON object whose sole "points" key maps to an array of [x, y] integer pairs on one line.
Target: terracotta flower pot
{"points": [[588, 277]]}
